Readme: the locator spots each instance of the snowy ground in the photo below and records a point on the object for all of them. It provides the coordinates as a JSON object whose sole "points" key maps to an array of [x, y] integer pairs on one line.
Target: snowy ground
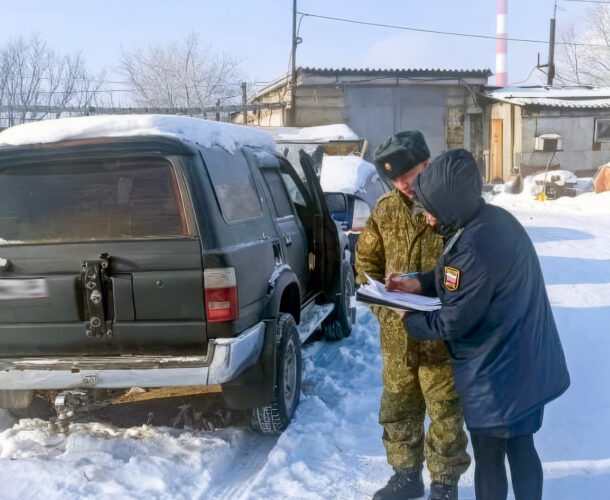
{"points": [[333, 447]]}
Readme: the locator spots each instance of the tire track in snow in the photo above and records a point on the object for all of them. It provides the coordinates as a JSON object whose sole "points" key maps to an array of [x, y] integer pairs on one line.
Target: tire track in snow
{"points": [[236, 480]]}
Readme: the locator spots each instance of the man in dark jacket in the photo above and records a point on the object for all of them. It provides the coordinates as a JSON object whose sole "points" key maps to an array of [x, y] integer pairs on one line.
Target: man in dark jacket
{"points": [[496, 318]]}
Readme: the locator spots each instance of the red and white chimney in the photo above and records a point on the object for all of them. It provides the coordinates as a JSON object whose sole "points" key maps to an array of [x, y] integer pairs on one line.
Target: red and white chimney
{"points": [[501, 68]]}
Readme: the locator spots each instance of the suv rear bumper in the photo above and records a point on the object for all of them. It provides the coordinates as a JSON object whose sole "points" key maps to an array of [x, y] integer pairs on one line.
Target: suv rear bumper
{"points": [[225, 360]]}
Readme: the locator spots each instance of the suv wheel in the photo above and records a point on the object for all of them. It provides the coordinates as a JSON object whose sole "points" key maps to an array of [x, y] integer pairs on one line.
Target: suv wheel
{"points": [[340, 326], [274, 419]]}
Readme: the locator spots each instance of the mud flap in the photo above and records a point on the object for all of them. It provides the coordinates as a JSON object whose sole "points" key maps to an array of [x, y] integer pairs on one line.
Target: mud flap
{"points": [[255, 386]]}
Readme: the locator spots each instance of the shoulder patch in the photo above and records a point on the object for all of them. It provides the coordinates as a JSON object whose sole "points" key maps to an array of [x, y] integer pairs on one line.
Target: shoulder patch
{"points": [[452, 278]]}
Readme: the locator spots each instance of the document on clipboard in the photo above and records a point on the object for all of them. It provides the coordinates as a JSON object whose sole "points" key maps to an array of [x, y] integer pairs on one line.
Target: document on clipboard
{"points": [[375, 293]]}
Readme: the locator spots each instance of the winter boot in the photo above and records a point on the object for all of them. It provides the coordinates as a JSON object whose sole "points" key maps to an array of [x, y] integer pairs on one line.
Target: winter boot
{"points": [[443, 492], [404, 484]]}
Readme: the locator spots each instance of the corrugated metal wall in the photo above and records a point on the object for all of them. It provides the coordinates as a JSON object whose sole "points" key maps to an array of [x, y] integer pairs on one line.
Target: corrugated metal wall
{"points": [[377, 112]]}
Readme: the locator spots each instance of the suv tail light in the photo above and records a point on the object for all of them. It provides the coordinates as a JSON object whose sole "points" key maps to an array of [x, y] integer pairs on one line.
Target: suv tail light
{"points": [[220, 294]]}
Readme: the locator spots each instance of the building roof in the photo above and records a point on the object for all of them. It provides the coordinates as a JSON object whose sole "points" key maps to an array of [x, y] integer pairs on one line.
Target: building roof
{"points": [[362, 73], [553, 97], [404, 73]]}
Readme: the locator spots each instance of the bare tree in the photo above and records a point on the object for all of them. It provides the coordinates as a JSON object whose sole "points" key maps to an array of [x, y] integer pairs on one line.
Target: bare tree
{"points": [[36, 82], [180, 74], [584, 58]]}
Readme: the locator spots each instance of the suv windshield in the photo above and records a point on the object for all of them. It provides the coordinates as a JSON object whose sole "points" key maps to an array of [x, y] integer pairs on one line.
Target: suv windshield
{"points": [[99, 200]]}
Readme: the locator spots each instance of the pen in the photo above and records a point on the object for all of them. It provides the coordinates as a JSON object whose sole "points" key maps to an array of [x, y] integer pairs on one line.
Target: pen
{"points": [[408, 275]]}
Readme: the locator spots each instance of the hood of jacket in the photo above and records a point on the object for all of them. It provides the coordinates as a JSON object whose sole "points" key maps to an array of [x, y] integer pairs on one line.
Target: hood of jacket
{"points": [[450, 188]]}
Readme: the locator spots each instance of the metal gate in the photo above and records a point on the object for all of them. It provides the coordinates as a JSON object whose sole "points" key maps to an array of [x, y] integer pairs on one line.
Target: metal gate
{"points": [[378, 112]]}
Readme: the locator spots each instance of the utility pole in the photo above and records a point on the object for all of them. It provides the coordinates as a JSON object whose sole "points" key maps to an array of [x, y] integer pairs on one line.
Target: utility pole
{"points": [[550, 65], [551, 70], [244, 101], [293, 74]]}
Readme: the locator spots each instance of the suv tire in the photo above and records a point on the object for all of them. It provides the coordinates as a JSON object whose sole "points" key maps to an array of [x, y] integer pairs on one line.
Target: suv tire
{"points": [[340, 326], [274, 419]]}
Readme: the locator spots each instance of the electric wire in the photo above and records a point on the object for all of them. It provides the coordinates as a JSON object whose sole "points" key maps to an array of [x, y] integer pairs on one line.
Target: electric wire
{"points": [[588, 1], [438, 32], [528, 77]]}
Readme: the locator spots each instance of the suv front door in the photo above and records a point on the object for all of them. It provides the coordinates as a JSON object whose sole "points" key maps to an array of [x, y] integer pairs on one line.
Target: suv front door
{"points": [[327, 249]]}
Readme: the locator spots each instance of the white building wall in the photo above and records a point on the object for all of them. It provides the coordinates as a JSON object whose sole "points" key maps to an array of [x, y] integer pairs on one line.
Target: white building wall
{"points": [[577, 131]]}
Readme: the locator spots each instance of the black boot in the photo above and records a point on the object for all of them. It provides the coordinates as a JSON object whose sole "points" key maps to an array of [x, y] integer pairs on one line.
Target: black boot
{"points": [[443, 492], [404, 484]]}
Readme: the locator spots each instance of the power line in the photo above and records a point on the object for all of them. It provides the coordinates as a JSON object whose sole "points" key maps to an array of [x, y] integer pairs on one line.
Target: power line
{"points": [[523, 81], [587, 1], [437, 32]]}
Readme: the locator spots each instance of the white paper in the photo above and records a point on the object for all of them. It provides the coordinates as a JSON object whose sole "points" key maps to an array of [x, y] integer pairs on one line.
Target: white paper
{"points": [[377, 290]]}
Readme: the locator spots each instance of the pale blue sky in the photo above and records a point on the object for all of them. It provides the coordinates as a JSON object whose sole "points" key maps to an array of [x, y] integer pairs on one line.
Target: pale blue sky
{"points": [[258, 31]]}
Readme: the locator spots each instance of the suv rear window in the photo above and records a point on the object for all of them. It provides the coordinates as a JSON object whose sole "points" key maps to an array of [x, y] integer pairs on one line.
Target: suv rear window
{"points": [[103, 200]]}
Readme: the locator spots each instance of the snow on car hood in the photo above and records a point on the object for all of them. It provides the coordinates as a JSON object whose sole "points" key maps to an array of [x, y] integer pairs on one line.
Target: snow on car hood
{"points": [[345, 174], [203, 132]]}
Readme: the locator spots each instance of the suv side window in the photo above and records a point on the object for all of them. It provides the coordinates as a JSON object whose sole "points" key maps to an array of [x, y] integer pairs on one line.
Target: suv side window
{"points": [[295, 194], [279, 195], [294, 185], [233, 184]]}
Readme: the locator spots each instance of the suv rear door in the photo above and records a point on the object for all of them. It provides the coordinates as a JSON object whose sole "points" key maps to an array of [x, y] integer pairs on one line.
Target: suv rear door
{"points": [[102, 257]]}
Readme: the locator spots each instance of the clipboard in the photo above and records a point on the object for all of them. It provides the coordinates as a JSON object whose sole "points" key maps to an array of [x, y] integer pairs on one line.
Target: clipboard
{"points": [[375, 293]]}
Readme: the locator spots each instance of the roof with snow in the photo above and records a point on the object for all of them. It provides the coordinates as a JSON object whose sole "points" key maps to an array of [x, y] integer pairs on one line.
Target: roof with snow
{"points": [[360, 75], [398, 72], [203, 132], [553, 97]]}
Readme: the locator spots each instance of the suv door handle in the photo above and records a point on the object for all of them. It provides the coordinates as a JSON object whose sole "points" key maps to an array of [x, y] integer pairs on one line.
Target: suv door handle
{"points": [[288, 240]]}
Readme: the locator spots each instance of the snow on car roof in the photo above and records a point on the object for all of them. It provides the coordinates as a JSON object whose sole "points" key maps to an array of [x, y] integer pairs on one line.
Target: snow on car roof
{"points": [[203, 132], [345, 174]]}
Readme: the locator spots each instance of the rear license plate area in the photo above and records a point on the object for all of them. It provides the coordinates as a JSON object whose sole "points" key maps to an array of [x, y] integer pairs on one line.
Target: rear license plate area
{"points": [[15, 289]]}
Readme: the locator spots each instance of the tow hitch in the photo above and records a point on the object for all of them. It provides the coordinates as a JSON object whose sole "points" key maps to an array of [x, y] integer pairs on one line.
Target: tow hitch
{"points": [[68, 404]]}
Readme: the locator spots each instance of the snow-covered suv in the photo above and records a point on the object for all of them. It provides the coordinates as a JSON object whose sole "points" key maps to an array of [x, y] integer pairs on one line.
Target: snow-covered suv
{"points": [[154, 251]]}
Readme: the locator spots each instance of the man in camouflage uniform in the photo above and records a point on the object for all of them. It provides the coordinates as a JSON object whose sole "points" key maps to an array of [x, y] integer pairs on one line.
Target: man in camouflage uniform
{"points": [[417, 376]]}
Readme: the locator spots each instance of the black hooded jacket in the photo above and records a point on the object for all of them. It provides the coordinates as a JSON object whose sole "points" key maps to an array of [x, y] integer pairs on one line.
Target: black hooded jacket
{"points": [[496, 317]]}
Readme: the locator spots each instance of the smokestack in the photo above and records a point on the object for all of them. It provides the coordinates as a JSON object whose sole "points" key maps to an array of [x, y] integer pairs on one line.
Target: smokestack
{"points": [[501, 68]]}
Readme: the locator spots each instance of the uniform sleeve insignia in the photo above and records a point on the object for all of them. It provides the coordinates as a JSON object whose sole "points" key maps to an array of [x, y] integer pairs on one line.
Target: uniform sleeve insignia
{"points": [[452, 278]]}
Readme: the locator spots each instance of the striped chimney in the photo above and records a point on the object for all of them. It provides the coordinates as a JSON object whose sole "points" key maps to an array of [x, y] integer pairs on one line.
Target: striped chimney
{"points": [[501, 69]]}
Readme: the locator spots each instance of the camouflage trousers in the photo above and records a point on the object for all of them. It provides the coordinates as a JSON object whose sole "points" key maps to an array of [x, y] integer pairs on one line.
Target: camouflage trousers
{"points": [[411, 388]]}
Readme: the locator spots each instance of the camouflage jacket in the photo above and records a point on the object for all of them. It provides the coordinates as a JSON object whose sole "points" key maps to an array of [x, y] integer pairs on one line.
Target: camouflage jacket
{"points": [[396, 240]]}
